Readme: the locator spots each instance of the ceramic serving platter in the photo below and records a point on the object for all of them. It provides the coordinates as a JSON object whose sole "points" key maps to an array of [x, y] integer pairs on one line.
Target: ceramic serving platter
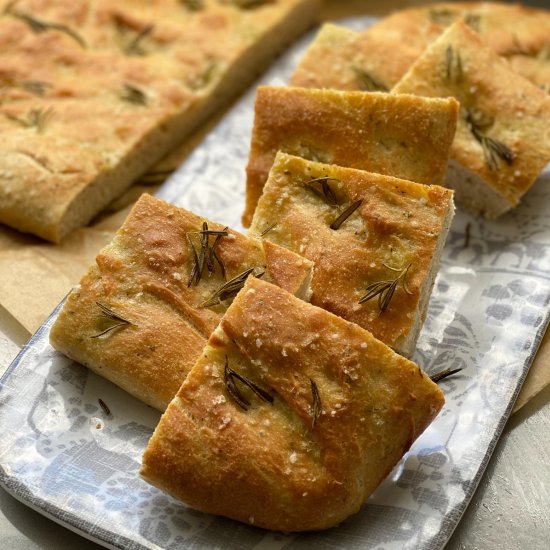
{"points": [[77, 462]]}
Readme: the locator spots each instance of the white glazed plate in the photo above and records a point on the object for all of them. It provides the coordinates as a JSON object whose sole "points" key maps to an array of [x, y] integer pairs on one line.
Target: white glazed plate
{"points": [[64, 455]]}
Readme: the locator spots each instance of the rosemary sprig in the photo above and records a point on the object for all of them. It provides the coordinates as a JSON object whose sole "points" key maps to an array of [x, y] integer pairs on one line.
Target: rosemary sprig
{"points": [[111, 315], [443, 374], [232, 287], [453, 65], [249, 4], [40, 25], [204, 78], [230, 377], [155, 177], [35, 118], [368, 82], [346, 214], [493, 149], [385, 290], [35, 87], [268, 229], [473, 20], [316, 407], [135, 46], [442, 16], [207, 255], [193, 5], [133, 94], [321, 187]]}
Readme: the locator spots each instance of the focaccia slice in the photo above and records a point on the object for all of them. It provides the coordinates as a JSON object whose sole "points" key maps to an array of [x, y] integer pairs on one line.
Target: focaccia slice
{"points": [[506, 29], [343, 59], [333, 411], [140, 319], [92, 94], [503, 137], [377, 264], [399, 135]]}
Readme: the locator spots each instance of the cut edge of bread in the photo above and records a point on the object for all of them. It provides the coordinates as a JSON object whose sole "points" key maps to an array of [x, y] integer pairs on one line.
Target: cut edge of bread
{"points": [[475, 194], [408, 345]]}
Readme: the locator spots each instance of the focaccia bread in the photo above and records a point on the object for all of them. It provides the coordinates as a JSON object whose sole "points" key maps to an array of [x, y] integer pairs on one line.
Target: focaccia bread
{"points": [[343, 59], [94, 93], [387, 250], [335, 410], [377, 58], [503, 27], [399, 135], [141, 316], [503, 136]]}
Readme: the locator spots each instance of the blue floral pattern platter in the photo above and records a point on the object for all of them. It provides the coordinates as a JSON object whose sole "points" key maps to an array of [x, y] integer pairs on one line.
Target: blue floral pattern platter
{"points": [[77, 462]]}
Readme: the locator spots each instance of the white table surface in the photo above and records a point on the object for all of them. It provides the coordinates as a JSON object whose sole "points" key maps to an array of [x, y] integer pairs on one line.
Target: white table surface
{"points": [[510, 510]]}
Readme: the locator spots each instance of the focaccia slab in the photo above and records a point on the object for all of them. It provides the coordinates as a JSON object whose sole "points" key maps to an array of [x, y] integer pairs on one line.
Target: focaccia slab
{"points": [[503, 136], [94, 93], [403, 136], [397, 233], [338, 411], [161, 322]]}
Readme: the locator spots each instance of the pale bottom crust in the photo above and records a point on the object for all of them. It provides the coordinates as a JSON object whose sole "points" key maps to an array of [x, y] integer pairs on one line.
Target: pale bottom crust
{"points": [[474, 194], [156, 144], [407, 345]]}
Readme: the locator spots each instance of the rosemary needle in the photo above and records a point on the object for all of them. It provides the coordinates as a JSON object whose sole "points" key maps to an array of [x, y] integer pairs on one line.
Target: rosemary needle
{"points": [[230, 377], [111, 315], [443, 374], [317, 407], [336, 224], [386, 289]]}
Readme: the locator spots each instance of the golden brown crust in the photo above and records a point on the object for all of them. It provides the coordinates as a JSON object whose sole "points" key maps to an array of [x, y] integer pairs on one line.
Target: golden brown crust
{"points": [[272, 465], [346, 60], [106, 89], [403, 136], [503, 134], [342, 59], [143, 277], [398, 224]]}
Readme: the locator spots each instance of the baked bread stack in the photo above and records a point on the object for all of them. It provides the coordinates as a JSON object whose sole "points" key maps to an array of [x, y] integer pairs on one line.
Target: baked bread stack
{"points": [[375, 241], [94, 93], [404, 136], [491, 57], [289, 415], [290, 418], [142, 315]]}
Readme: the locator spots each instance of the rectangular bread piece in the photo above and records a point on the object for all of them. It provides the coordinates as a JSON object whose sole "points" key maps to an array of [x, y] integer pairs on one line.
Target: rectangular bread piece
{"points": [[387, 248], [396, 135], [140, 318], [503, 136], [94, 93], [343, 59], [332, 411]]}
